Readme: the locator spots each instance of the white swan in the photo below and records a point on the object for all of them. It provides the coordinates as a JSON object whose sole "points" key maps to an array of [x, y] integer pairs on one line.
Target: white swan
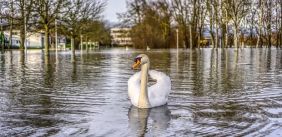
{"points": [[139, 93]]}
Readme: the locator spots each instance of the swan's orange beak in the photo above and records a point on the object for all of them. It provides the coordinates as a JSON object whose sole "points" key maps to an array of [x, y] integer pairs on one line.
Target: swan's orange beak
{"points": [[136, 64]]}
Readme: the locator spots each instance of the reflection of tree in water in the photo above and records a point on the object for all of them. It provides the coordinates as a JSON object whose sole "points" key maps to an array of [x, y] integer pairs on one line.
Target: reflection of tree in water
{"points": [[241, 101], [223, 75], [39, 105], [152, 122], [231, 76], [268, 58], [220, 71], [160, 59], [196, 69], [278, 59], [2, 62], [74, 71], [49, 71], [236, 110], [28, 96]]}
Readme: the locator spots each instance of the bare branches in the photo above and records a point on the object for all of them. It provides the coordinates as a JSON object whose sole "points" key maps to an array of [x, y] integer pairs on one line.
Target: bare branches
{"points": [[81, 14], [221, 18]]}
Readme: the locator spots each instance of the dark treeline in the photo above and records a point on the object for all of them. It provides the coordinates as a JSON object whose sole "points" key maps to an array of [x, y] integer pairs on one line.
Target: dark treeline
{"points": [[74, 19], [214, 23]]}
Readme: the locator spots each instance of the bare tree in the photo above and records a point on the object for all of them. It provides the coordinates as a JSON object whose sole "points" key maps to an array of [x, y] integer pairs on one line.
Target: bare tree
{"points": [[8, 14], [79, 15], [238, 9], [1, 23], [24, 9], [260, 22], [269, 22], [11, 22], [190, 16], [182, 17], [163, 9], [201, 22], [211, 19], [277, 25], [19, 15], [280, 30], [144, 15], [48, 11]]}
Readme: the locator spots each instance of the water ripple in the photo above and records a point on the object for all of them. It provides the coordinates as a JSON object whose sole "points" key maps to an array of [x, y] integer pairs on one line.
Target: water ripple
{"points": [[220, 92]]}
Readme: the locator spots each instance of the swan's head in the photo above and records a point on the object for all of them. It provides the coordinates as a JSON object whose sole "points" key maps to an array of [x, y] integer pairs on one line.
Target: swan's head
{"points": [[140, 60]]}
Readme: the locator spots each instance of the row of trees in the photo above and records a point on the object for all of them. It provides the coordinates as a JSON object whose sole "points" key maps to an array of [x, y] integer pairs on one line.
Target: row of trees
{"points": [[74, 18], [225, 23]]}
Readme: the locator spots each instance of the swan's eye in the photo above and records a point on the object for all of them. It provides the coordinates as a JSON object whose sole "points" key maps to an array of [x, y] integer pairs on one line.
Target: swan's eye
{"points": [[137, 59]]}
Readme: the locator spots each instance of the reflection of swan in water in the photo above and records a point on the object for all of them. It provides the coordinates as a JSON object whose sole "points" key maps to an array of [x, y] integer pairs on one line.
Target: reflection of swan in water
{"points": [[140, 120]]}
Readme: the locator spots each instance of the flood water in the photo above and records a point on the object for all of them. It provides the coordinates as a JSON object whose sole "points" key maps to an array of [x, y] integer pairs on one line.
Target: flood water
{"points": [[214, 93]]}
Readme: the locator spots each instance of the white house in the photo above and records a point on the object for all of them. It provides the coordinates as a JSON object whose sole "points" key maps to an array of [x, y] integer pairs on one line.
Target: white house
{"points": [[34, 39]]}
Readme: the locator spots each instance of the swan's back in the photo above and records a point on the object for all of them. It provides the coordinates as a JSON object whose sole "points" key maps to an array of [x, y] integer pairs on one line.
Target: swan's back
{"points": [[157, 93]]}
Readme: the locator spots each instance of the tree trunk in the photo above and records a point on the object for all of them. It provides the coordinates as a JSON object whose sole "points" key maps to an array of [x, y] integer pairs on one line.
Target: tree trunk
{"points": [[2, 41], [216, 37], [11, 25], [86, 43], [252, 34], [199, 40], [280, 40], [280, 23], [269, 43], [211, 26], [11, 35], [22, 38], [258, 41], [261, 7], [199, 32], [185, 37], [226, 28], [72, 45], [191, 37], [222, 39], [235, 36], [243, 40], [81, 43], [212, 39], [216, 25], [226, 40], [46, 38], [211, 32], [194, 23], [276, 27], [269, 22]]}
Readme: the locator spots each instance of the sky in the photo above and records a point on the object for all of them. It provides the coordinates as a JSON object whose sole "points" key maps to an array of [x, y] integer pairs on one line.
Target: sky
{"points": [[113, 7]]}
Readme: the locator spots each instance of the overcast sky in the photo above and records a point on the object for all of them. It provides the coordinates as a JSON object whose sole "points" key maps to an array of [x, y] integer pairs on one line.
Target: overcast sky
{"points": [[113, 7]]}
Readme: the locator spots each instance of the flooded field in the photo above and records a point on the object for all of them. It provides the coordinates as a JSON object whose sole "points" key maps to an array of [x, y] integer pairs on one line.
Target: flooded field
{"points": [[214, 93]]}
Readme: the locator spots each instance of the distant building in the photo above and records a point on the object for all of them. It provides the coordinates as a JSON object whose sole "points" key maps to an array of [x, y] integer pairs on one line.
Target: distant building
{"points": [[34, 39], [121, 36]]}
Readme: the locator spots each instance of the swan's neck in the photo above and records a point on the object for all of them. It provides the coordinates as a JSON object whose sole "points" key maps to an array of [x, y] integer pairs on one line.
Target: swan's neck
{"points": [[143, 101]]}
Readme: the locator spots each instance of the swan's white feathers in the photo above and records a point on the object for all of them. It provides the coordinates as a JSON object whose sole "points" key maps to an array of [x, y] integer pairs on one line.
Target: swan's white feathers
{"points": [[157, 93], [134, 88]]}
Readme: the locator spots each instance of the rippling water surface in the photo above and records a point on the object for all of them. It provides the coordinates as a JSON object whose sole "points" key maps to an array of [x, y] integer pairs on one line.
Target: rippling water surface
{"points": [[214, 93]]}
